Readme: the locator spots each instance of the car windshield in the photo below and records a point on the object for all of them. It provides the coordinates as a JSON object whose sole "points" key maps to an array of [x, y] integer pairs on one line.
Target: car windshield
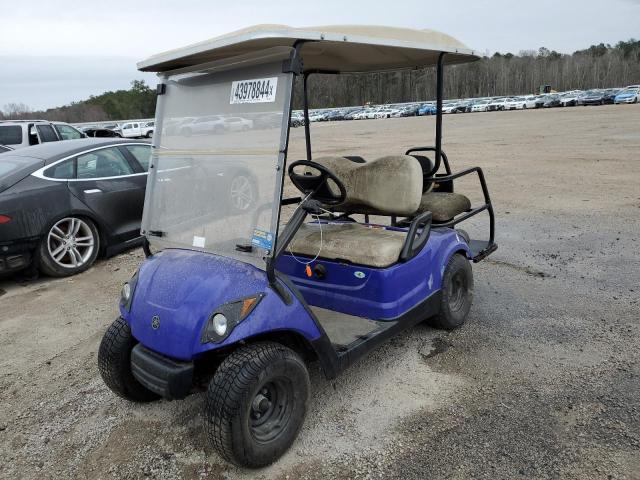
{"points": [[215, 185]]}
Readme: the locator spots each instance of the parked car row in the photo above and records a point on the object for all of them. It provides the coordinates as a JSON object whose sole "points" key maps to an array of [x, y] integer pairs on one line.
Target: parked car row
{"points": [[137, 129], [630, 94]]}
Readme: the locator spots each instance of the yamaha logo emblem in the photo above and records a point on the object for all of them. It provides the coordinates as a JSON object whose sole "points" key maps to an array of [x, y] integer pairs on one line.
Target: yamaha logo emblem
{"points": [[155, 322]]}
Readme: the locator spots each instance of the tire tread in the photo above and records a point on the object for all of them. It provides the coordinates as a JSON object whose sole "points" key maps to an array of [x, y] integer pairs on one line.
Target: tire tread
{"points": [[228, 389], [114, 357], [443, 319]]}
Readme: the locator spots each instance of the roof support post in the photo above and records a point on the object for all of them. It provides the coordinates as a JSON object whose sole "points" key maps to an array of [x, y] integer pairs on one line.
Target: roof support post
{"points": [[307, 131], [439, 95], [294, 66]]}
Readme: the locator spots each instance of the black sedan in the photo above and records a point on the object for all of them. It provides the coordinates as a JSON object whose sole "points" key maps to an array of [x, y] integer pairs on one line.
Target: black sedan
{"points": [[592, 97], [98, 132], [64, 203], [551, 101]]}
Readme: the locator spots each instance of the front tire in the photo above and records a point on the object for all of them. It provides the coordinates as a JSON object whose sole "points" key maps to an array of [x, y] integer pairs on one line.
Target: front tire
{"points": [[70, 246], [457, 294], [256, 404], [114, 363]]}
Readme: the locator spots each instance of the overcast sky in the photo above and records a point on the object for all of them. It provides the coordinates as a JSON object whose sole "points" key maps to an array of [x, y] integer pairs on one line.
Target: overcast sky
{"points": [[52, 53]]}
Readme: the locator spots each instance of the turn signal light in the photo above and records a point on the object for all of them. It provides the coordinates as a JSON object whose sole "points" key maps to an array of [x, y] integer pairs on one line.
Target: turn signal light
{"points": [[247, 305], [4, 219]]}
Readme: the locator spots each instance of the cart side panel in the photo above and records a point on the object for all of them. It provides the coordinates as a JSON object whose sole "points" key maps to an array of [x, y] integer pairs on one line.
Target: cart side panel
{"points": [[376, 293]]}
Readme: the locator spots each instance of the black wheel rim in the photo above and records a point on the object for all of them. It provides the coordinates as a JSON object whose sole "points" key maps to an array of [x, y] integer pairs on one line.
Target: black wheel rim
{"points": [[271, 410], [458, 291]]}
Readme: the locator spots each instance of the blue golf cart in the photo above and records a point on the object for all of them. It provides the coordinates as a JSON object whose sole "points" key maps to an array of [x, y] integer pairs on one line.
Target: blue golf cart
{"points": [[257, 264]]}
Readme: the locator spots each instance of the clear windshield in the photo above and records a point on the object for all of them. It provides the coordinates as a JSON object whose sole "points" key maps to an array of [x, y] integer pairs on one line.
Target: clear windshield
{"points": [[215, 180]]}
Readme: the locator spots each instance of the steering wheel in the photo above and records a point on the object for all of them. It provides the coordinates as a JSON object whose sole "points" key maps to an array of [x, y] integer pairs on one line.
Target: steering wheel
{"points": [[316, 185]]}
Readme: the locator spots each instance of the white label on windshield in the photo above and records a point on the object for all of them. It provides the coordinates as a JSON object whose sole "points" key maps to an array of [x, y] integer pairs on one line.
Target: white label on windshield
{"points": [[257, 90], [199, 242]]}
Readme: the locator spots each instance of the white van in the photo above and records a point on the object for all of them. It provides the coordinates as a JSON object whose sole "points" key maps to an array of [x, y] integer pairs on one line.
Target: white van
{"points": [[24, 133]]}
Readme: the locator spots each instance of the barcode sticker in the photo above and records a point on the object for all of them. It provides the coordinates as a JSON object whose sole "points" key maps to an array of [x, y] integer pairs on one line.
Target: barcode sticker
{"points": [[257, 90]]}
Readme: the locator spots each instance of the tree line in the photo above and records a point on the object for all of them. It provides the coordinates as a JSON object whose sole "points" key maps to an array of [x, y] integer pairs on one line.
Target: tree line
{"points": [[139, 101], [599, 66]]}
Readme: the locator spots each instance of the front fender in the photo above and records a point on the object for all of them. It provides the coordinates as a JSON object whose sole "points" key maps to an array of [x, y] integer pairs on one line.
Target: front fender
{"points": [[182, 288]]}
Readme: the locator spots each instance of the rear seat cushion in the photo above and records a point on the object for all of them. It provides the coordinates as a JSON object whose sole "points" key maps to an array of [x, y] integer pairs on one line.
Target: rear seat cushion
{"points": [[443, 205], [356, 243], [390, 185]]}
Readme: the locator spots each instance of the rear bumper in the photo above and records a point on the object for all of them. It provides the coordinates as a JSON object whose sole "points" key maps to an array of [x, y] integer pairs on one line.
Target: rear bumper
{"points": [[14, 263], [169, 378], [15, 256]]}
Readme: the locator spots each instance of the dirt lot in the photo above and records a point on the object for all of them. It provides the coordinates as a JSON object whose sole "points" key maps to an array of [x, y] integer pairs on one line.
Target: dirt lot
{"points": [[542, 382]]}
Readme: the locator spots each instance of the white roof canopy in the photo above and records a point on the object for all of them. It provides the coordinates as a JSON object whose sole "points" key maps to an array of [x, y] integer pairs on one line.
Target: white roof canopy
{"points": [[334, 48]]}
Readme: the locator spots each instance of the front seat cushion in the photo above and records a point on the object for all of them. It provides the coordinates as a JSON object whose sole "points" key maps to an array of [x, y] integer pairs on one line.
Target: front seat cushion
{"points": [[444, 205], [352, 242]]}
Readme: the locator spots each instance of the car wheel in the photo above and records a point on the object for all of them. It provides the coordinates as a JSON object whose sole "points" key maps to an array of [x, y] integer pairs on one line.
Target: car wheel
{"points": [[114, 363], [256, 403], [457, 294], [242, 193], [150, 134], [70, 246]]}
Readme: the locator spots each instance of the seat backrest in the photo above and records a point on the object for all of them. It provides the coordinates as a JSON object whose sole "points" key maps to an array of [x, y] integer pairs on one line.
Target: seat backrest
{"points": [[390, 185], [426, 166]]}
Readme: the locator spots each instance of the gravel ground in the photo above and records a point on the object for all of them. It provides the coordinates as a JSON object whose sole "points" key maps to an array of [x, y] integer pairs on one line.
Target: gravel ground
{"points": [[542, 381]]}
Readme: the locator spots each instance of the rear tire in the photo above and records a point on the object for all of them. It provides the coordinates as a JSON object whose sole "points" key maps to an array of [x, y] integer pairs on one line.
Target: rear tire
{"points": [[256, 404], [114, 363], [457, 294]]}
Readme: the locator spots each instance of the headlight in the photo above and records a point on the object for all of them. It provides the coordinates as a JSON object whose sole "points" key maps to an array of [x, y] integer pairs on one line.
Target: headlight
{"points": [[220, 324], [126, 292], [128, 289], [225, 318]]}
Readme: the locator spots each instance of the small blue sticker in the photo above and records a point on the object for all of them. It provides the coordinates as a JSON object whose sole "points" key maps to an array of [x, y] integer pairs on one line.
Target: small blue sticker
{"points": [[358, 274], [262, 239]]}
